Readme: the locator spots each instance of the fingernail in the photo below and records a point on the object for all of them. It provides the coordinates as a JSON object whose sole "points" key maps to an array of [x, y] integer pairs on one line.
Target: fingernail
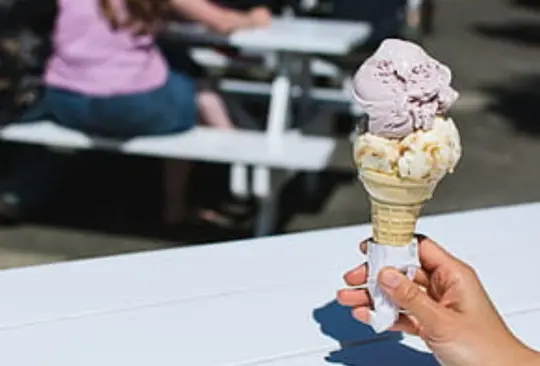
{"points": [[361, 314], [390, 278], [354, 271]]}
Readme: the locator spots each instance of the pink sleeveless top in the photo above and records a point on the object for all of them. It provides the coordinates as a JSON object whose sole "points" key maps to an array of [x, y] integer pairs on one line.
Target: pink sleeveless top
{"points": [[91, 58]]}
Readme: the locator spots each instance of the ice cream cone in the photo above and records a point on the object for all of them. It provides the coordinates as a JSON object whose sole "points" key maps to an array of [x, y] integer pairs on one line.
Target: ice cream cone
{"points": [[395, 205], [408, 145]]}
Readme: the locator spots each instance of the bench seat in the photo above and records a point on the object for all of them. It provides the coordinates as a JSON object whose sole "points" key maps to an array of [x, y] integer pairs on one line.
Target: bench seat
{"points": [[294, 151]]}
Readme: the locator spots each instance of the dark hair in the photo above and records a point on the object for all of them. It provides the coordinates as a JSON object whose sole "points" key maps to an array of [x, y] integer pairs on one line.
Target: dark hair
{"points": [[143, 16]]}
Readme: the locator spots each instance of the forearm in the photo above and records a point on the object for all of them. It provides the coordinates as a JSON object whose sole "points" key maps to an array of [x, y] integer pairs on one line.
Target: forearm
{"points": [[516, 353], [212, 16], [513, 351], [529, 358]]}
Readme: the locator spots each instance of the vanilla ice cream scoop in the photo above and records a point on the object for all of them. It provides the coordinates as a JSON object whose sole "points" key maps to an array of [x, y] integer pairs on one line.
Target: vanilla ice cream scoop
{"points": [[421, 155], [401, 88]]}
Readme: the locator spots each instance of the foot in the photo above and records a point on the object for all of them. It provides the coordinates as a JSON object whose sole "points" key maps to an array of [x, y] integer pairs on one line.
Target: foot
{"points": [[233, 214], [222, 220]]}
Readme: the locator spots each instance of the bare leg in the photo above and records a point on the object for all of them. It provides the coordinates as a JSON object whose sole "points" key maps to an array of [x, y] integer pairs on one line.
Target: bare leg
{"points": [[175, 178], [213, 110]]}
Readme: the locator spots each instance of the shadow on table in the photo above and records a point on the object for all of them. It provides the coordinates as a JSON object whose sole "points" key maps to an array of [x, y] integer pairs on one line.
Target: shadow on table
{"points": [[360, 346], [517, 100], [520, 31], [122, 195]]}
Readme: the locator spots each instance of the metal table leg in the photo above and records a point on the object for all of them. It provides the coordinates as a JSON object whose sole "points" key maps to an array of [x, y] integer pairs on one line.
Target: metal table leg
{"points": [[306, 119], [264, 187]]}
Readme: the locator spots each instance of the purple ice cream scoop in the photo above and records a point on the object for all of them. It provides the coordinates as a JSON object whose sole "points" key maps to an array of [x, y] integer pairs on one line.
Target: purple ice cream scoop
{"points": [[401, 88]]}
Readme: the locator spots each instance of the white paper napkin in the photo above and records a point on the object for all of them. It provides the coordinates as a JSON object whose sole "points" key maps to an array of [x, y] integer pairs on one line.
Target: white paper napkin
{"points": [[405, 259]]}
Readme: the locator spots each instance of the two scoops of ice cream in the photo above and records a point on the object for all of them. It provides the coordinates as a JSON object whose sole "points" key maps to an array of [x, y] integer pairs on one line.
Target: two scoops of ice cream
{"points": [[409, 146], [410, 143]]}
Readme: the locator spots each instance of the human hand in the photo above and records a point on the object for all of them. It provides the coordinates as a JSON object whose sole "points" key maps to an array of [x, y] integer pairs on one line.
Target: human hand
{"points": [[260, 16], [446, 306]]}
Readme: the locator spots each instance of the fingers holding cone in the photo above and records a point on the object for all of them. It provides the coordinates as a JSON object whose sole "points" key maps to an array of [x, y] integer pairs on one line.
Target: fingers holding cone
{"points": [[358, 276], [357, 295]]}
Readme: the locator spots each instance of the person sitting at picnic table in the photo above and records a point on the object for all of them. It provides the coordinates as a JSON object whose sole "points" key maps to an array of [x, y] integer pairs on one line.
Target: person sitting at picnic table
{"points": [[107, 77], [447, 306]]}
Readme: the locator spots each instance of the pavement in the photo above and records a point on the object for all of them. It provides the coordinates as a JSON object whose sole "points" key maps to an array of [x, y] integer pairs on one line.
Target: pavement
{"points": [[108, 203]]}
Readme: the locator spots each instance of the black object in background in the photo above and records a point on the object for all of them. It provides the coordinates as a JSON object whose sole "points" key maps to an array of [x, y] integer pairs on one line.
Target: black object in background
{"points": [[385, 16], [367, 10], [276, 6], [25, 45]]}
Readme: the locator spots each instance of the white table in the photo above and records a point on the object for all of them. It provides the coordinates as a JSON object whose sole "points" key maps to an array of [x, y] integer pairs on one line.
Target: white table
{"points": [[267, 301], [297, 35], [291, 42]]}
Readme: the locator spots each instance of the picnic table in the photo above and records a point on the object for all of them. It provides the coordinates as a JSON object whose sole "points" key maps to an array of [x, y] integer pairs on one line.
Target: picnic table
{"points": [[263, 301], [275, 154]]}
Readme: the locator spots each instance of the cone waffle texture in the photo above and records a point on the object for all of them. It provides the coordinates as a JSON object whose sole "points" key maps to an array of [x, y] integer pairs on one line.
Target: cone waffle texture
{"points": [[395, 205]]}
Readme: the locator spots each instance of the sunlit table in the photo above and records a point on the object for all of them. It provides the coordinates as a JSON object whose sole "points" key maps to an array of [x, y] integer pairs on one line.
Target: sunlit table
{"points": [[254, 302]]}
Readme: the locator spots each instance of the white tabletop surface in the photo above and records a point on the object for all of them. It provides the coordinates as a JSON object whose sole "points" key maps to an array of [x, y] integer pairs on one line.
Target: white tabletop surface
{"points": [[296, 35], [304, 36], [266, 301]]}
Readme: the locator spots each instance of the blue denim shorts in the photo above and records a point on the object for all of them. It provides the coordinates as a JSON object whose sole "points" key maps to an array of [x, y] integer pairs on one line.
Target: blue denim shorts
{"points": [[167, 109]]}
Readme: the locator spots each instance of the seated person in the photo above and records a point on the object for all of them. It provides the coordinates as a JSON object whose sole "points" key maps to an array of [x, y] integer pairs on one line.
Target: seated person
{"points": [[107, 77]]}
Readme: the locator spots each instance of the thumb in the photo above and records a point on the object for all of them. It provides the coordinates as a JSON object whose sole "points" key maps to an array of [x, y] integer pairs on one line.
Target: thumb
{"points": [[410, 297]]}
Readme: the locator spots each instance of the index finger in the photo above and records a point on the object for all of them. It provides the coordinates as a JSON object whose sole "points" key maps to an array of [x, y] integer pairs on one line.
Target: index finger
{"points": [[432, 255]]}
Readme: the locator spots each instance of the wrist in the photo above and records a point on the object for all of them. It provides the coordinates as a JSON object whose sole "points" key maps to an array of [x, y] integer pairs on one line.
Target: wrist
{"points": [[505, 350], [531, 358], [523, 356]]}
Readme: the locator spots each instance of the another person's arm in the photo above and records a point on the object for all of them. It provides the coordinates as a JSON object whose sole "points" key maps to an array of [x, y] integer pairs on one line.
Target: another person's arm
{"points": [[447, 307], [220, 19]]}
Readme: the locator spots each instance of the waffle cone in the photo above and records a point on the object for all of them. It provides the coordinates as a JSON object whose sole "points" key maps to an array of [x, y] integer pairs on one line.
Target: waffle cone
{"points": [[395, 205]]}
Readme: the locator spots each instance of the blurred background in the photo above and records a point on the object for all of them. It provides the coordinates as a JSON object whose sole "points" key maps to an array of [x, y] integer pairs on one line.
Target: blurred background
{"points": [[109, 203]]}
